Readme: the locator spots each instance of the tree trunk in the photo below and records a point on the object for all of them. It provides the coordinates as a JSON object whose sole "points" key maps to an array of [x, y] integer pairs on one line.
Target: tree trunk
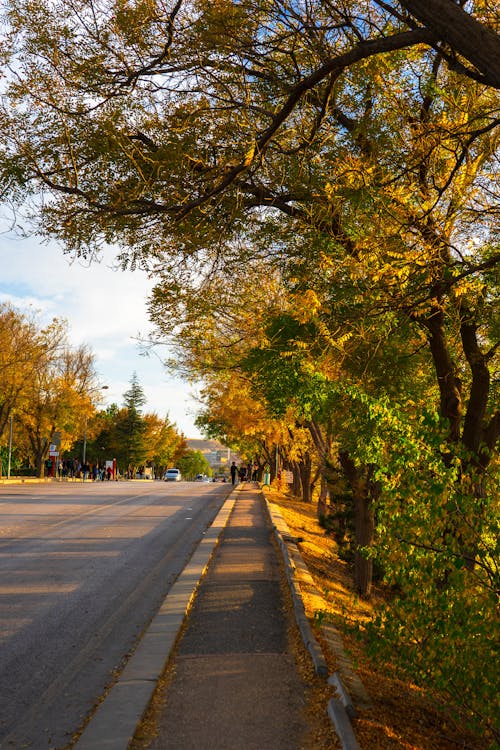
{"points": [[323, 447], [364, 522], [40, 451], [324, 498], [305, 478], [479, 44], [450, 389], [474, 422], [364, 527], [475, 435], [297, 484]]}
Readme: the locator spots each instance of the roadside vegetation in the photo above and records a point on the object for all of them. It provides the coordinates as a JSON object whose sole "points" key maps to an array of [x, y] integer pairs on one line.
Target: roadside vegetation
{"points": [[401, 714], [313, 187]]}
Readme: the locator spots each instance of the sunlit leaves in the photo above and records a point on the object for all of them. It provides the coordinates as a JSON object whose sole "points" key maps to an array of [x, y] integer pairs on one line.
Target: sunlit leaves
{"points": [[47, 386]]}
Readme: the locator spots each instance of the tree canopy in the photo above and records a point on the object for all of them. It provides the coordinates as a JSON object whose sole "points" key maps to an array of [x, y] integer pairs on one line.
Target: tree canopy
{"points": [[160, 128], [314, 188]]}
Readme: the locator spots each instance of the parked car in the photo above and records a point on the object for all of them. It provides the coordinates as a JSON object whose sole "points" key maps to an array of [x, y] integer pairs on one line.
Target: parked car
{"points": [[172, 475], [201, 478]]}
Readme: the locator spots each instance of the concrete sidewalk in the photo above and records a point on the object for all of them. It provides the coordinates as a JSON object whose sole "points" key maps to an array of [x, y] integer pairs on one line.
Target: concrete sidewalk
{"points": [[235, 684], [232, 680]]}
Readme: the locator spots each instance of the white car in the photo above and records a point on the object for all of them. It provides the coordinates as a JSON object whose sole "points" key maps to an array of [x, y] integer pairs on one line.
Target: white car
{"points": [[172, 475], [201, 478]]}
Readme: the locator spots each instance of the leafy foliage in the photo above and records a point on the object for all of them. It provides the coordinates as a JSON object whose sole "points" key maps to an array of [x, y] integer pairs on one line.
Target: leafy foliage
{"points": [[47, 386], [193, 463], [136, 440]]}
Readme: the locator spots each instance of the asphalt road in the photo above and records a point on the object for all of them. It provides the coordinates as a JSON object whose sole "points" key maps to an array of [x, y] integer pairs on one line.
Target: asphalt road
{"points": [[83, 568]]}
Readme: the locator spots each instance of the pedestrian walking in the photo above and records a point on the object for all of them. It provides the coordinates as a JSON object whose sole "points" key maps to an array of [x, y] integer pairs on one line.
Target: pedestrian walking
{"points": [[234, 471]]}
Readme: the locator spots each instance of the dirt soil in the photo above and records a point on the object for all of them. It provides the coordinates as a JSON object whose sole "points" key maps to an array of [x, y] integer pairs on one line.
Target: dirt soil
{"points": [[402, 715]]}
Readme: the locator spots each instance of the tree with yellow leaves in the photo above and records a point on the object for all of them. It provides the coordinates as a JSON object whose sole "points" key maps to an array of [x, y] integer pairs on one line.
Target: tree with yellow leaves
{"points": [[59, 398]]}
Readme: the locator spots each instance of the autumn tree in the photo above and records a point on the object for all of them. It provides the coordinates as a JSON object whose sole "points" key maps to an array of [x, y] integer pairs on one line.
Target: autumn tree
{"points": [[120, 87], [315, 103], [23, 349], [20, 347], [164, 442], [58, 397], [232, 414], [329, 92]]}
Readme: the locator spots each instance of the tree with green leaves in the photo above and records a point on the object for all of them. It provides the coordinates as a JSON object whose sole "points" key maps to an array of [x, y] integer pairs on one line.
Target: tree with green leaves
{"points": [[193, 463], [131, 429]]}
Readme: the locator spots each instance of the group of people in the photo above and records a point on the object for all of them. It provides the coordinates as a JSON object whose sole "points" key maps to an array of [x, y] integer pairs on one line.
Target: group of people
{"points": [[96, 473], [243, 473], [71, 468]]}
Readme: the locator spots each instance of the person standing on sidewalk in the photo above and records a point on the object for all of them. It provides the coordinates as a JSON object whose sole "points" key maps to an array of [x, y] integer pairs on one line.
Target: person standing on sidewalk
{"points": [[234, 470]]}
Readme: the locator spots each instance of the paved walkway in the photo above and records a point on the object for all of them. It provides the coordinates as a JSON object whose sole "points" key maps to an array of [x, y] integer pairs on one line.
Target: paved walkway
{"points": [[235, 685]]}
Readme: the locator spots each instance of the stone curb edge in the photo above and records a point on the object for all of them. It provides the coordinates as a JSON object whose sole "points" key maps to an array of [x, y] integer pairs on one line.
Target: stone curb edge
{"points": [[340, 709], [114, 723]]}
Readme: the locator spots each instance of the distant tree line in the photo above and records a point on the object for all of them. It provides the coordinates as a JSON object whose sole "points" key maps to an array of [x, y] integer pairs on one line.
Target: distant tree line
{"points": [[137, 441], [50, 395]]}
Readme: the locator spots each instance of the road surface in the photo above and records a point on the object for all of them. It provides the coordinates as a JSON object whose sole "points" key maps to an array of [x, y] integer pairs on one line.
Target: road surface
{"points": [[83, 568]]}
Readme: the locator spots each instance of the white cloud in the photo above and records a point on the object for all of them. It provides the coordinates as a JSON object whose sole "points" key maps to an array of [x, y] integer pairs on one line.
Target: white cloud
{"points": [[106, 309]]}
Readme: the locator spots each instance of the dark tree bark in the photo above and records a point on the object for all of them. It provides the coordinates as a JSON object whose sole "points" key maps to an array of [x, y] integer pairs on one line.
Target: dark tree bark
{"points": [[322, 444], [305, 468], [297, 484], [364, 521], [473, 40], [450, 390], [468, 424], [475, 430]]}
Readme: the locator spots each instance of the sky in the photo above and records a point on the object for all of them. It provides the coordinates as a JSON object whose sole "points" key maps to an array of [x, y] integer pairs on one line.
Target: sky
{"points": [[105, 309]]}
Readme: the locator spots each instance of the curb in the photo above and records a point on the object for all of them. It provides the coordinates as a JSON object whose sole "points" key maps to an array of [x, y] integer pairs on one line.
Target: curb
{"points": [[115, 721], [340, 709], [342, 724], [25, 480], [311, 643]]}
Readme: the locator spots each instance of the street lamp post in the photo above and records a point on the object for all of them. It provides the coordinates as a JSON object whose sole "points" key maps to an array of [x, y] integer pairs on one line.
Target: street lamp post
{"points": [[10, 446], [84, 452]]}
